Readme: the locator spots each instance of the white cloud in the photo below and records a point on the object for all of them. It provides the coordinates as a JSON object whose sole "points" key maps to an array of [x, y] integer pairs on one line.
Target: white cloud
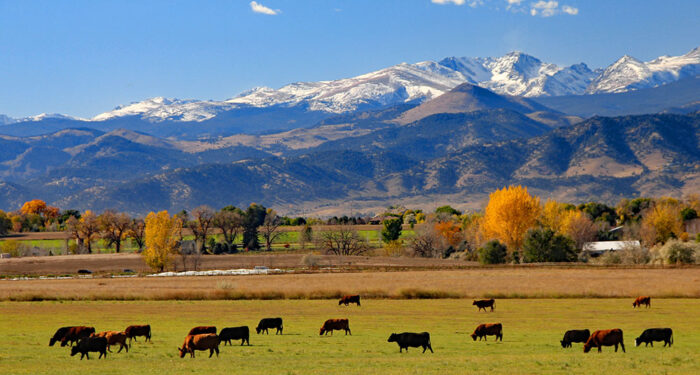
{"points": [[514, 2], [443, 2], [259, 8], [569, 10]]}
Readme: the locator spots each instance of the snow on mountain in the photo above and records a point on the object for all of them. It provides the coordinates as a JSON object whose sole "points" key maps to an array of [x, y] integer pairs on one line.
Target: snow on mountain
{"points": [[628, 73], [516, 74]]}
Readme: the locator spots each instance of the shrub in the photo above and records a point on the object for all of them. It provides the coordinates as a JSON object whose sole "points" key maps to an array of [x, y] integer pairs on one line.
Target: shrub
{"points": [[633, 254], [544, 245], [677, 252], [394, 248], [493, 252], [311, 260]]}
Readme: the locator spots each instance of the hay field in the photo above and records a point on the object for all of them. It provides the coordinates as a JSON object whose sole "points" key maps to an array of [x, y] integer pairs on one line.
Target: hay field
{"points": [[532, 330]]}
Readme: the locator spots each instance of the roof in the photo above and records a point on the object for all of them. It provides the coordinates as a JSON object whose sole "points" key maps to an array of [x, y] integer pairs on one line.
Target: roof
{"points": [[608, 245]]}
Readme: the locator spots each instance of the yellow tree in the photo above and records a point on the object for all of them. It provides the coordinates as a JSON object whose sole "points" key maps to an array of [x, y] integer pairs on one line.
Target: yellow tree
{"points": [[162, 233], [34, 206], [662, 221], [579, 227], [509, 214], [89, 228]]}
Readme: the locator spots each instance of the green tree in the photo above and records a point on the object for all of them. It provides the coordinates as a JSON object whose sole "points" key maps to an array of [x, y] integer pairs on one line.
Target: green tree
{"points": [[493, 252], [688, 214], [254, 218], [391, 230], [545, 245], [447, 210]]}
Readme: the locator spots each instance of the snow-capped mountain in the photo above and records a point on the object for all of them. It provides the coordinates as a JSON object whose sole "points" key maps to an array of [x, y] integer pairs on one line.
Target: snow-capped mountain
{"points": [[628, 73]]}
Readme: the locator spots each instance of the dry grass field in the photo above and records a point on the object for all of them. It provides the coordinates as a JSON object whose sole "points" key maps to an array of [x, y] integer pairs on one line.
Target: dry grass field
{"points": [[502, 282]]}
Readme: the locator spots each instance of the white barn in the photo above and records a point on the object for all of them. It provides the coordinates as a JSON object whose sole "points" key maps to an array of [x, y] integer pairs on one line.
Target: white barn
{"points": [[600, 247]]}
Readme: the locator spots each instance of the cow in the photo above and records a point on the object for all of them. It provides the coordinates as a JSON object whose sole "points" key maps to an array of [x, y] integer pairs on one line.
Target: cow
{"points": [[655, 334], [235, 333], [607, 337], [58, 336], [202, 329], [113, 338], [484, 303], [350, 299], [410, 339], [206, 341], [643, 300], [575, 335], [74, 334], [335, 324], [133, 331], [90, 344], [488, 329], [268, 323]]}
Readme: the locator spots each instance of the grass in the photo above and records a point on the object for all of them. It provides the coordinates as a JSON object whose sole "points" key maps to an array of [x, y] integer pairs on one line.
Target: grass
{"points": [[532, 330], [504, 282]]}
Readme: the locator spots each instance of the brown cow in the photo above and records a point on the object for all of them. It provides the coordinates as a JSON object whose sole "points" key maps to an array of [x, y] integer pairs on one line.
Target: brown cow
{"points": [[74, 334], [488, 329], [207, 341], [607, 337], [643, 300], [136, 330], [201, 330], [335, 324], [113, 338], [484, 303], [350, 299]]}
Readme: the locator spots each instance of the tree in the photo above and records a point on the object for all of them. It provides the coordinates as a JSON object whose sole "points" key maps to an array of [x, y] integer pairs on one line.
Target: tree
{"points": [[254, 217], [230, 221], [493, 252], [579, 228], [137, 232], [114, 227], [85, 229], [200, 225], [509, 213], [449, 210], [343, 240], [545, 245], [270, 228], [306, 235], [73, 227], [34, 206], [5, 223], [599, 212], [449, 231], [661, 222], [392, 230], [688, 213], [427, 242], [162, 243], [554, 214]]}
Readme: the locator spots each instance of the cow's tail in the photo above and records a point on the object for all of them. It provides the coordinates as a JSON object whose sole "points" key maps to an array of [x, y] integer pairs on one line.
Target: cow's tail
{"points": [[671, 338]]}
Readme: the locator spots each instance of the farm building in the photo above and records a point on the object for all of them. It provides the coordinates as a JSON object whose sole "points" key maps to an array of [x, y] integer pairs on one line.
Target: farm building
{"points": [[600, 247]]}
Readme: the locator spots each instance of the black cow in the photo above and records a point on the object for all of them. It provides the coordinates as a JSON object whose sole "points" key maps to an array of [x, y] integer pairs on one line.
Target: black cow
{"points": [[268, 323], [58, 336], [484, 303], [90, 344], [411, 339], [235, 333], [655, 334], [575, 335], [350, 299]]}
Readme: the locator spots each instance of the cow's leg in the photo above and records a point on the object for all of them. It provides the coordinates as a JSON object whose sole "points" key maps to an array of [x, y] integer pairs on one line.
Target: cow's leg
{"points": [[87, 355], [615, 348], [652, 344], [622, 344], [600, 348], [424, 348], [211, 352]]}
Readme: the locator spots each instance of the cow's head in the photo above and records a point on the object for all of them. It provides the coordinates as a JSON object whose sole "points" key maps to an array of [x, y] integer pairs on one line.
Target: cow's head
{"points": [[341, 301], [563, 343], [182, 351], [258, 329], [637, 341], [586, 347], [392, 338], [474, 303], [74, 350], [473, 335], [52, 341]]}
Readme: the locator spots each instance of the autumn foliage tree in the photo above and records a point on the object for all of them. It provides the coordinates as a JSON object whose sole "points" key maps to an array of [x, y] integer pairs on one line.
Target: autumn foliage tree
{"points": [[162, 231], [509, 214], [661, 222], [114, 227]]}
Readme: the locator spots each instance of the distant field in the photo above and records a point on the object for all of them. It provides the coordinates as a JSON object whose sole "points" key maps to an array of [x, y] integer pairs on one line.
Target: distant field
{"points": [[532, 330], [509, 282]]}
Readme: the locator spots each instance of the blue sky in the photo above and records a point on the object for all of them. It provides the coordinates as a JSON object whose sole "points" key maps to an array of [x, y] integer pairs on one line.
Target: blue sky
{"points": [[85, 57]]}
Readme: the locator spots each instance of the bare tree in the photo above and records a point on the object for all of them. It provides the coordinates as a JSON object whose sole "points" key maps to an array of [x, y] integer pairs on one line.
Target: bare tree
{"points": [[345, 240], [581, 229], [201, 224], [137, 232], [230, 222], [270, 228], [73, 227], [84, 229], [427, 242], [114, 227]]}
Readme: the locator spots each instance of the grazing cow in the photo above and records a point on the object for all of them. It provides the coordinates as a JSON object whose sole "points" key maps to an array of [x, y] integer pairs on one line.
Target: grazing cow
{"points": [[607, 337], [133, 331], [58, 336], [350, 299], [488, 329], [74, 334], [655, 334], [268, 323], [90, 344], [411, 339], [575, 335], [113, 338], [201, 330], [206, 341], [235, 333], [643, 300], [484, 303], [335, 324]]}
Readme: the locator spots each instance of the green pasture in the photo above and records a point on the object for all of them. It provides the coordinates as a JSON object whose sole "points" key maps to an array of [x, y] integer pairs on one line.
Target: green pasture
{"points": [[532, 330]]}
